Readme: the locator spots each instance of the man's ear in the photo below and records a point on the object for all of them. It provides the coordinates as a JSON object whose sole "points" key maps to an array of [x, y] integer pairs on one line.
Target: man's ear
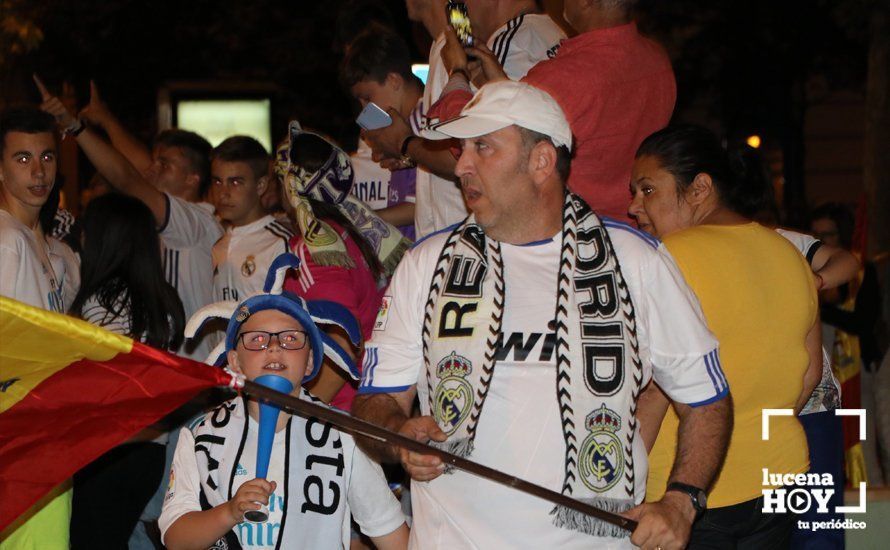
{"points": [[542, 161], [701, 188], [262, 185], [193, 180]]}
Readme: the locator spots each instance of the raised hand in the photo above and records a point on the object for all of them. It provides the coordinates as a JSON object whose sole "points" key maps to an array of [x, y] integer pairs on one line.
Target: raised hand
{"points": [[54, 106], [95, 112]]}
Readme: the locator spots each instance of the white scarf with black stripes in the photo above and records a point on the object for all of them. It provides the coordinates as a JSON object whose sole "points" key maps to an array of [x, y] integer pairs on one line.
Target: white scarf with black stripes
{"points": [[315, 475], [599, 373]]}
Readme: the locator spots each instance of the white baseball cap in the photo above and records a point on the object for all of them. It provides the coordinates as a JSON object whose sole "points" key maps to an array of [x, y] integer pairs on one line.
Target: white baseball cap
{"points": [[506, 103]]}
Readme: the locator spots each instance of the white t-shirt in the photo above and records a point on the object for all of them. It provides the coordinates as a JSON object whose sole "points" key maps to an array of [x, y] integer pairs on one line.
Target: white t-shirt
{"points": [[520, 431], [25, 277], [519, 44], [96, 314], [241, 258], [187, 238], [368, 495]]}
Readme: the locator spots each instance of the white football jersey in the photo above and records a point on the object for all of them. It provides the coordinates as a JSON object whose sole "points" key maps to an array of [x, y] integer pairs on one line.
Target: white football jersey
{"points": [[241, 258]]}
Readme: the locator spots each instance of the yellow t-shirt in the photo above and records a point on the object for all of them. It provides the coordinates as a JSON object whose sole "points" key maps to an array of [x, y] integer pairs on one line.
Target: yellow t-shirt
{"points": [[758, 298]]}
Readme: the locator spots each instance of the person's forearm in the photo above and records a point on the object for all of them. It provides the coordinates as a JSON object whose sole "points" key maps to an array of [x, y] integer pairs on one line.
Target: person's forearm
{"points": [[136, 152], [651, 408], [397, 215], [434, 156], [122, 175], [385, 411], [702, 441], [199, 530]]}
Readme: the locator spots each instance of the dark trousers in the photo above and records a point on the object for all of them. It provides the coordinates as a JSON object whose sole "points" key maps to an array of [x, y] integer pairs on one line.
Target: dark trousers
{"points": [[825, 437], [742, 526], [111, 492]]}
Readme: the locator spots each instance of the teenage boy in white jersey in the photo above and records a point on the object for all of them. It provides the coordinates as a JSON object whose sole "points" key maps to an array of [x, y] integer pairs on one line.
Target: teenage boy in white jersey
{"points": [[31, 271], [377, 69], [555, 320], [519, 37], [239, 176], [172, 181]]}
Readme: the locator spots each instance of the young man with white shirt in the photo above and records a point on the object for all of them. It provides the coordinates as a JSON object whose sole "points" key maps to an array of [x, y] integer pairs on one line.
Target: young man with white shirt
{"points": [[555, 320], [520, 37], [239, 175], [33, 271], [172, 182], [377, 69]]}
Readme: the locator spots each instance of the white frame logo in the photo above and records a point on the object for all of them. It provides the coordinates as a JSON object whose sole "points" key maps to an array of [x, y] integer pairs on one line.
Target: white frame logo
{"points": [[802, 497]]}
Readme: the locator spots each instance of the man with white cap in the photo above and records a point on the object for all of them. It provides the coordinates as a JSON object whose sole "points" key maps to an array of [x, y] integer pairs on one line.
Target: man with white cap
{"points": [[528, 332]]}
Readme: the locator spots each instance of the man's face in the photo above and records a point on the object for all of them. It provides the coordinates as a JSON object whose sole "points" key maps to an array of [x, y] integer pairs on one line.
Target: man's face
{"points": [[171, 171], [384, 94], [236, 191], [288, 363], [28, 168], [495, 179]]}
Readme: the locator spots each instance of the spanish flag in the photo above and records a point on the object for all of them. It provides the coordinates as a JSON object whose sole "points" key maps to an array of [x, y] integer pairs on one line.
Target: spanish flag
{"points": [[69, 391]]}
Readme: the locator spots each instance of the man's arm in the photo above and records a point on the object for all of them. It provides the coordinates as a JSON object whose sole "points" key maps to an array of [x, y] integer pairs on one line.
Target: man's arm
{"points": [[97, 113], [433, 155], [833, 266], [651, 408], [122, 175], [703, 438], [391, 411]]}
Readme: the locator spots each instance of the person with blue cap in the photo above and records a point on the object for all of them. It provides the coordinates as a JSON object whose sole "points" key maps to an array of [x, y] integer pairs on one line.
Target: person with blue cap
{"points": [[317, 478]]}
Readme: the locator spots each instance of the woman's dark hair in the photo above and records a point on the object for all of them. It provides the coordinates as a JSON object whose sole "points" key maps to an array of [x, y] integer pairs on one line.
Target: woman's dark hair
{"points": [[686, 151], [311, 152], [121, 267], [843, 218]]}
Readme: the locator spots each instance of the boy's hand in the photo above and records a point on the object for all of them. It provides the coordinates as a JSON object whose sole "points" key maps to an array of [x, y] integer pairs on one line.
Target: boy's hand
{"points": [[248, 497], [96, 112], [52, 105]]}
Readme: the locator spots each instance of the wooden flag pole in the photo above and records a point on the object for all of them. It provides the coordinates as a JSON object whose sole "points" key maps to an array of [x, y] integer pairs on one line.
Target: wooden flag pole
{"points": [[355, 426]]}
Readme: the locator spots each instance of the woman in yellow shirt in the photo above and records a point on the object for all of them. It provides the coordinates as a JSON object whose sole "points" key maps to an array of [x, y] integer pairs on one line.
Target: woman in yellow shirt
{"points": [[759, 299]]}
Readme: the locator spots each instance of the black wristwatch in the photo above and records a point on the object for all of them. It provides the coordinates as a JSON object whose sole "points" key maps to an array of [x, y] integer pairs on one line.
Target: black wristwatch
{"points": [[697, 496]]}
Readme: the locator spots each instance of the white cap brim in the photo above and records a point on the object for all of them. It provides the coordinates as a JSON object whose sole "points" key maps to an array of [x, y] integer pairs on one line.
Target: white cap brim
{"points": [[464, 126]]}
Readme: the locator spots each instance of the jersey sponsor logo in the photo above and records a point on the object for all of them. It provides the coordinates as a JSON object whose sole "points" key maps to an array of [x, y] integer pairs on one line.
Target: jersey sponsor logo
{"points": [[519, 346], [601, 459], [383, 313], [453, 399], [248, 268]]}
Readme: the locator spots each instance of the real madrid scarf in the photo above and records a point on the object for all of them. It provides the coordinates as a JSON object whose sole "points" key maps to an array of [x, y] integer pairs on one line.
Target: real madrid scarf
{"points": [[598, 368], [332, 184], [315, 474]]}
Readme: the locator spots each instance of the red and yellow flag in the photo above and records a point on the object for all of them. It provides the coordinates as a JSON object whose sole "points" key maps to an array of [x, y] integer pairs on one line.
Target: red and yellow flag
{"points": [[69, 391]]}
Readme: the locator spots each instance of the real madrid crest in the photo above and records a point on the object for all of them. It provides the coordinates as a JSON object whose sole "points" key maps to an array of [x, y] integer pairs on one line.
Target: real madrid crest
{"points": [[453, 399], [248, 268], [601, 461]]}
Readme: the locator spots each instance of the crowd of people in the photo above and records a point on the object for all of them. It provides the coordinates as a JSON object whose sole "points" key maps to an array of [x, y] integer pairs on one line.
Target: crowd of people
{"points": [[530, 267]]}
